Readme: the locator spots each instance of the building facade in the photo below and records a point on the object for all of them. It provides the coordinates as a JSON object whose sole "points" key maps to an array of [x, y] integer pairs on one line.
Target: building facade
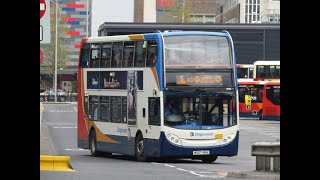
{"points": [[249, 11], [176, 11], [72, 16]]}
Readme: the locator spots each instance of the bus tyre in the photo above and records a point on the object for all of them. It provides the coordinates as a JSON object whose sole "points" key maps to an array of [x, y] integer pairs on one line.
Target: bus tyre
{"points": [[209, 159], [93, 144], [139, 149]]}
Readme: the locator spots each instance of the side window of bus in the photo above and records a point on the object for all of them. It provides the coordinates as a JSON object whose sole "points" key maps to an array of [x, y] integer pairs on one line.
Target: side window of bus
{"points": [[117, 54], [128, 54], [152, 53], [124, 109], [104, 108], [242, 93], [86, 105], [94, 108], [85, 53], [154, 111], [140, 54], [95, 56], [105, 55], [115, 106]]}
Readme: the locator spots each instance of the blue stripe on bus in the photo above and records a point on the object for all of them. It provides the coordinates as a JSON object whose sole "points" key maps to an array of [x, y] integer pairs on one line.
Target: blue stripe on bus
{"points": [[248, 114], [159, 64], [167, 149], [162, 147], [182, 33]]}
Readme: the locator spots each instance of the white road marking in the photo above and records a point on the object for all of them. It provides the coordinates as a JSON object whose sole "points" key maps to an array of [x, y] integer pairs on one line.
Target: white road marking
{"points": [[64, 127], [181, 169], [75, 108], [59, 111], [194, 173], [77, 149], [168, 165]]}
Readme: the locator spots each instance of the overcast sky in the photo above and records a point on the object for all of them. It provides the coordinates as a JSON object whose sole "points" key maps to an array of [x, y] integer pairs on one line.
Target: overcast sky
{"points": [[110, 11]]}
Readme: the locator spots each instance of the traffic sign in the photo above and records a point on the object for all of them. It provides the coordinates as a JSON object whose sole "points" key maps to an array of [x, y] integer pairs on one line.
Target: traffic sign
{"points": [[42, 8], [45, 21]]}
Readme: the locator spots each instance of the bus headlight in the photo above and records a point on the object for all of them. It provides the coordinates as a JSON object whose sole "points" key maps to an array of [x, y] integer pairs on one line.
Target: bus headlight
{"points": [[173, 139]]}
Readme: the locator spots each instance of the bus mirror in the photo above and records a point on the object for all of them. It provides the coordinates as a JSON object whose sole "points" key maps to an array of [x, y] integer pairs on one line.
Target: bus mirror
{"points": [[154, 92]]}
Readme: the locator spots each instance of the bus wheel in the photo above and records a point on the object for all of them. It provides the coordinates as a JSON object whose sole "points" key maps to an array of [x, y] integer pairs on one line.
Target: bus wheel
{"points": [[209, 159], [93, 144], [139, 149]]}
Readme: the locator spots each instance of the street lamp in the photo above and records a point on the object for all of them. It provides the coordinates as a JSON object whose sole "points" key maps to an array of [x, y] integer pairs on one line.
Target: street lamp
{"points": [[56, 54]]}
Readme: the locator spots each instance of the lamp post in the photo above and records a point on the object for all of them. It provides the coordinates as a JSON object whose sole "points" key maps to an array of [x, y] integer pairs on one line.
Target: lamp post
{"points": [[56, 58], [56, 53]]}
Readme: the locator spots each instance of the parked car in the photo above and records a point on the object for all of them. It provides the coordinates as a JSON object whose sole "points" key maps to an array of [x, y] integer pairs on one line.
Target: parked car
{"points": [[50, 95]]}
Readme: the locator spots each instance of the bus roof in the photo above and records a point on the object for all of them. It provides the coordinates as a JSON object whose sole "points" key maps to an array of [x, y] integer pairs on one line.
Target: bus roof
{"points": [[244, 65], [251, 82], [131, 37]]}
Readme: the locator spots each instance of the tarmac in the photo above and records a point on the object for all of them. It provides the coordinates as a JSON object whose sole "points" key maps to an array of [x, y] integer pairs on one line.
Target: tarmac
{"points": [[47, 149]]}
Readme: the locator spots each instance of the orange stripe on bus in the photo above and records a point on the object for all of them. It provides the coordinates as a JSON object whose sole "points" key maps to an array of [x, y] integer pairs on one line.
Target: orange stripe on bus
{"points": [[136, 37], [100, 136], [155, 75]]}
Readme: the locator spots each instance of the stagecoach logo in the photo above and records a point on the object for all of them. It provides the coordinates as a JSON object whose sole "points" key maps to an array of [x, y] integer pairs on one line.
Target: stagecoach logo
{"points": [[200, 134]]}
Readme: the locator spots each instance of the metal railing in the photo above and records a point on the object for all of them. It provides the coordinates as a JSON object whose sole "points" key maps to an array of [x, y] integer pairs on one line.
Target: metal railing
{"points": [[69, 97], [267, 156]]}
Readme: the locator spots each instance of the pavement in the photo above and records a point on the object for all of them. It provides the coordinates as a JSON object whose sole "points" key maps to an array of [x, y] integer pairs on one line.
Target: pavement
{"points": [[45, 144]]}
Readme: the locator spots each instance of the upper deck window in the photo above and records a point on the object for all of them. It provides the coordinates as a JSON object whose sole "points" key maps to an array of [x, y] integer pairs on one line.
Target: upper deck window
{"points": [[196, 51]]}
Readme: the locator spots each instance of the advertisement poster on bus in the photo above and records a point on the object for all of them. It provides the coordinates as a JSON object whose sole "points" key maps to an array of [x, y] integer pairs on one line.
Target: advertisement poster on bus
{"points": [[93, 80], [134, 83], [113, 79]]}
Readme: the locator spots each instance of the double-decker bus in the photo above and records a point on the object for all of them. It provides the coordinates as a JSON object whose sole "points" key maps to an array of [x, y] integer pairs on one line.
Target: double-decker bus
{"points": [[266, 70], [245, 71], [259, 99], [271, 101], [250, 98], [126, 84]]}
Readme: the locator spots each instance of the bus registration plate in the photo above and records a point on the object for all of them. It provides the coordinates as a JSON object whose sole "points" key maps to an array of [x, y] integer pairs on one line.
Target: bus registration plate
{"points": [[202, 152]]}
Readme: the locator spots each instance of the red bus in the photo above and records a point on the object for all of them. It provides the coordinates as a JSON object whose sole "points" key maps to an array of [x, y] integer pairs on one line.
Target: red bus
{"points": [[271, 101], [250, 98]]}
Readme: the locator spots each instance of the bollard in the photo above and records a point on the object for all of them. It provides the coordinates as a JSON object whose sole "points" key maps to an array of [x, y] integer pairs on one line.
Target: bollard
{"points": [[267, 156]]}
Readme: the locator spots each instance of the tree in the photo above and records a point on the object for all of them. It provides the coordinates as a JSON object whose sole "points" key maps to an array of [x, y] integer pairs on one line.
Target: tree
{"points": [[177, 13], [48, 64]]}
